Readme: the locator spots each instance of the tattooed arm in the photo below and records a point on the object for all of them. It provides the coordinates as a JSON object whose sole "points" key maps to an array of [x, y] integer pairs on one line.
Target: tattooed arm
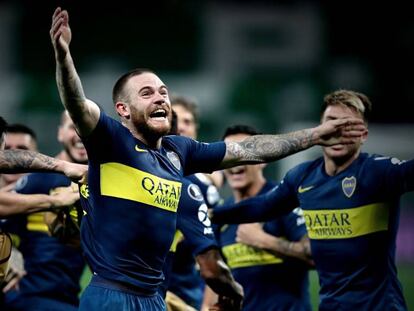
{"points": [[22, 161], [83, 112], [267, 148]]}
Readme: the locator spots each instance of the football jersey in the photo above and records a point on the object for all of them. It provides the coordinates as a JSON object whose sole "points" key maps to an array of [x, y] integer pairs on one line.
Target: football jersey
{"points": [[185, 279], [53, 269], [270, 283], [193, 228], [352, 221], [132, 200]]}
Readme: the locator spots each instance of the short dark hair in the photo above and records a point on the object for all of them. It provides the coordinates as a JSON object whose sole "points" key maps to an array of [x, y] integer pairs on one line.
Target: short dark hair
{"points": [[17, 128], [358, 101], [3, 125], [118, 92], [187, 103], [240, 129], [174, 124]]}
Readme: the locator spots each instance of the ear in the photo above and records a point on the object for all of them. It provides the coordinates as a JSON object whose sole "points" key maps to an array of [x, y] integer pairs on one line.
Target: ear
{"points": [[364, 137], [60, 134], [122, 109], [263, 166]]}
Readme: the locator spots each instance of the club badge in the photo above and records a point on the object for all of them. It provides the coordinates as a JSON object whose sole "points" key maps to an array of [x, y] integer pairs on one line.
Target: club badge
{"points": [[349, 185]]}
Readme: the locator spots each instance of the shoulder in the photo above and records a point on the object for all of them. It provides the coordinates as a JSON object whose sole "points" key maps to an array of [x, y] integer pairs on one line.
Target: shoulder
{"points": [[176, 141], [301, 170], [109, 123]]}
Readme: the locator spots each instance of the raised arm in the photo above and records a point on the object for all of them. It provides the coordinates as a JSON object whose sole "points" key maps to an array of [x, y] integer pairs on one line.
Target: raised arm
{"points": [[23, 161], [84, 112], [267, 148]]}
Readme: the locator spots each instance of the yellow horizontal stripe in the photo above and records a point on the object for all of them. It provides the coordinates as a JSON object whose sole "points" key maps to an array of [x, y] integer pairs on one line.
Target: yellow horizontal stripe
{"points": [[346, 223], [35, 222], [125, 182], [240, 255]]}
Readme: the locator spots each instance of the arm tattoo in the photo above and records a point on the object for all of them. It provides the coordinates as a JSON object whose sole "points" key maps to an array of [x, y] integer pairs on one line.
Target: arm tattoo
{"points": [[20, 161], [266, 148], [70, 87]]}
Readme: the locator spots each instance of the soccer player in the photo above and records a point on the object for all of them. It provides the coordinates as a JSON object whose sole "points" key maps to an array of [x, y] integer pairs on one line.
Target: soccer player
{"points": [[194, 226], [185, 281], [18, 161], [273, 277], [135, 175], [194, 231], [350, 201], [53, 269]]}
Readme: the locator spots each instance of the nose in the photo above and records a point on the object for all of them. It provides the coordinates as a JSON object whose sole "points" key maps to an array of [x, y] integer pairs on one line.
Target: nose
{"points": [[159, 98]]}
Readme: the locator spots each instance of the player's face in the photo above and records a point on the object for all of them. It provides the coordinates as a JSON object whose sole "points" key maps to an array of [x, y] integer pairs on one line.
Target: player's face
{"points": [[149, 104], [15, 141], [242, 177], [341, 151], [186, 125], [71, 141]]}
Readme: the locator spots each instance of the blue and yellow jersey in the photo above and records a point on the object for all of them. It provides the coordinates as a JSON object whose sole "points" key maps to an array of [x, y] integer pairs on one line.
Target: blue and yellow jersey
{"points": [[185, 279], [53, 269], [269, 282], [352, 221], [193, 228], [133, 197]]}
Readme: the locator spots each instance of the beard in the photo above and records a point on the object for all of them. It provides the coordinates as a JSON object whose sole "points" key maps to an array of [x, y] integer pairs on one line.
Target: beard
{"points": [[151, 133], [145, 128]]}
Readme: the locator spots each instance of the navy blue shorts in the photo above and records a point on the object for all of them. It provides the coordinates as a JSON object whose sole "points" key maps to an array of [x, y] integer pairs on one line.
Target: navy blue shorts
{"points": [[107, 296]]}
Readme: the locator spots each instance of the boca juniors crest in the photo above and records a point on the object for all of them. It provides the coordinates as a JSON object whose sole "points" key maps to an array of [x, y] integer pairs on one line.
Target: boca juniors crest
{"points": [[175, 160], [349, 185]]}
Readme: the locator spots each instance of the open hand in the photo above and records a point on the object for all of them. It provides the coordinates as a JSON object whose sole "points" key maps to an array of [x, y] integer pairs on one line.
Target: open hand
{"points": [[60, 33], [340, 131]]}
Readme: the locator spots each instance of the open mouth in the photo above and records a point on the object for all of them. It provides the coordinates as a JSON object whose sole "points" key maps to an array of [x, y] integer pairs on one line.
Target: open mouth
{"points": [[159, 114], [78, 145], [237, 171]]}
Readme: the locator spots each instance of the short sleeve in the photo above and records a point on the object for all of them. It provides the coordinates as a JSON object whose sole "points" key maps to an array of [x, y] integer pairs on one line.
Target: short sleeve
{"points": [[193, 220], [196, 156]]}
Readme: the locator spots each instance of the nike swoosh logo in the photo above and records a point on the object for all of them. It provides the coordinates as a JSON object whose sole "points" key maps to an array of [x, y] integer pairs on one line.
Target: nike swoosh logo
{"points": [[139, 149], [302, 190]]}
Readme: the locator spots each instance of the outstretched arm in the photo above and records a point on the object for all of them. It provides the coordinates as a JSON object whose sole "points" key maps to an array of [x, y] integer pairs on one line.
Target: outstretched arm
{"points": [[84, 112], [218, 277], [22, 161], [272, 205], [267, 148]]}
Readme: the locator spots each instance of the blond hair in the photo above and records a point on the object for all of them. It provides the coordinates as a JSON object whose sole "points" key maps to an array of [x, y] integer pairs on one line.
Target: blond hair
{"points": [[353, 99]]}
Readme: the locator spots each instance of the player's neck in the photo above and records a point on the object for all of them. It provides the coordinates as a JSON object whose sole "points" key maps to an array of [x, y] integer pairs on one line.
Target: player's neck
{"points": [[336, 166], [152, 142], [249, 191]]}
